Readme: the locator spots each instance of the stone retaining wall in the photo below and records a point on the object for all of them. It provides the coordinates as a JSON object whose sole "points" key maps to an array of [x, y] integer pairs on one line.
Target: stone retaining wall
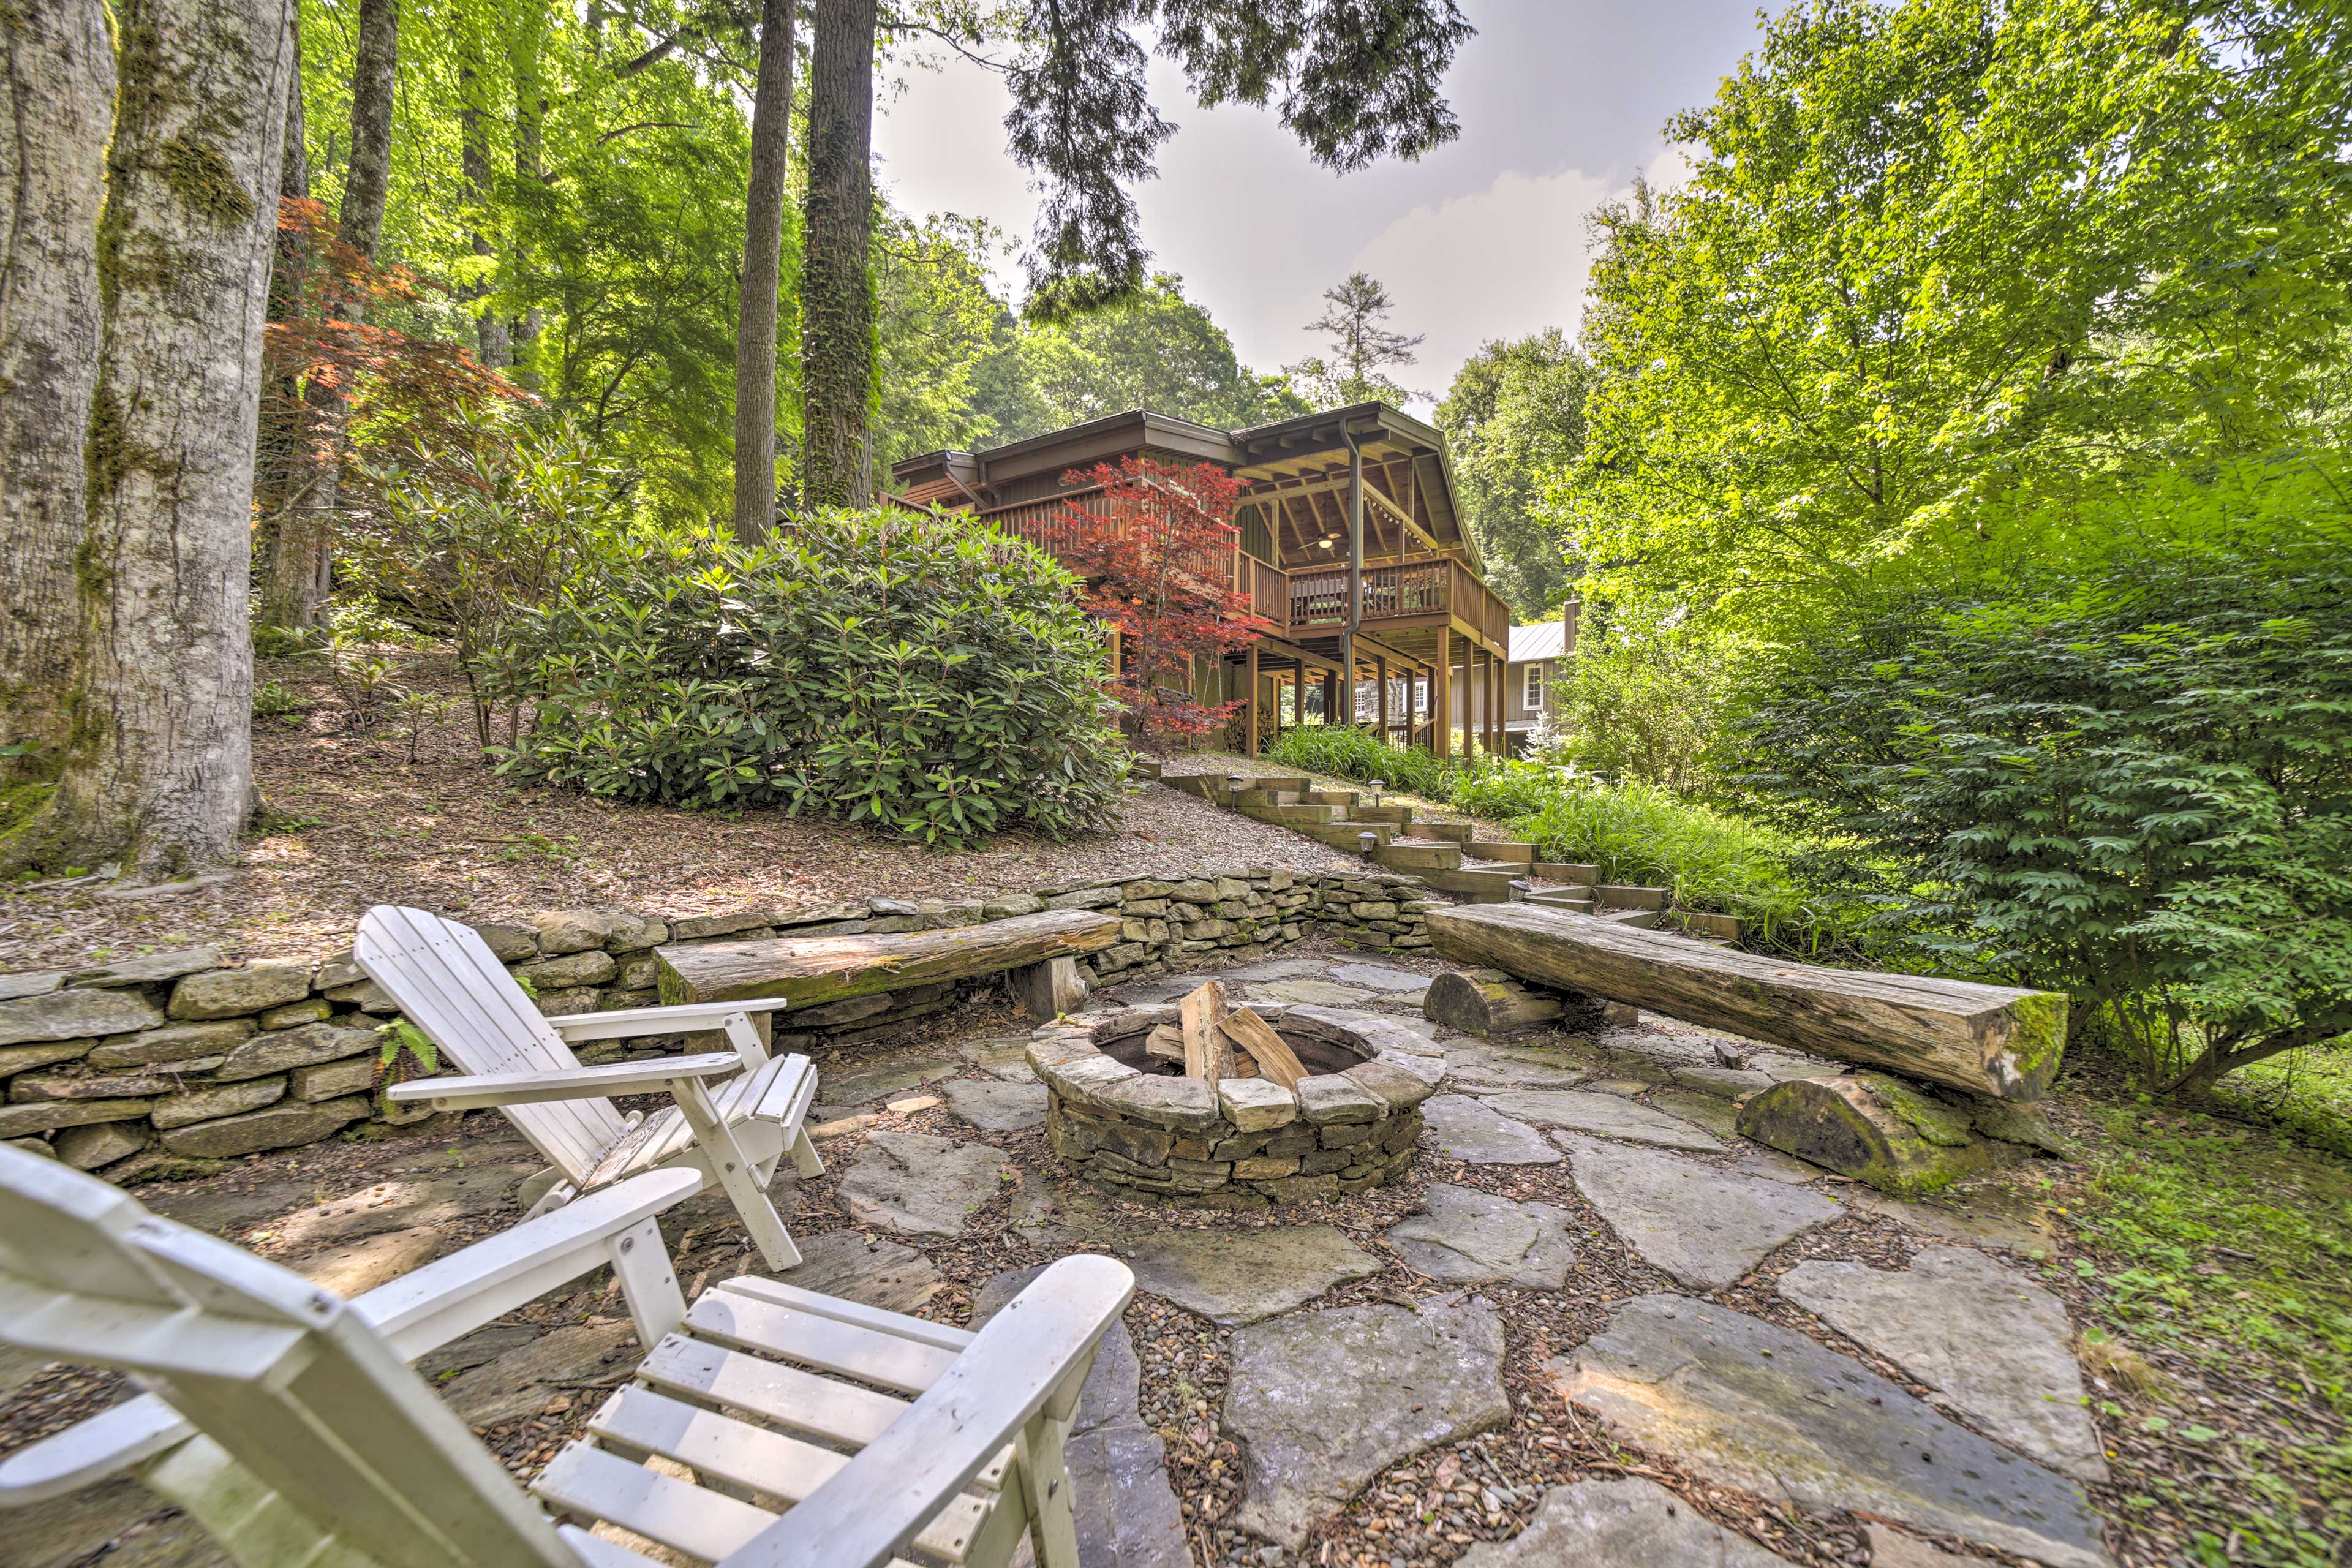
{"points": [[158, 1064]]}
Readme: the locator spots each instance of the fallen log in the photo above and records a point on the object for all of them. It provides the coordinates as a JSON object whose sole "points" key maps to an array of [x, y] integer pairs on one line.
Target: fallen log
{"points": [[1987, 1039], [812, 969]]}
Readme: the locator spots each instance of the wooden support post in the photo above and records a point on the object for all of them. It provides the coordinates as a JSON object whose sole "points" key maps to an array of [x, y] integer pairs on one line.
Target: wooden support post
{"points": [[1380, 674], [1488, 1001], [1441, 704], [1495, 730], [1047, 991], [1252, 709]]}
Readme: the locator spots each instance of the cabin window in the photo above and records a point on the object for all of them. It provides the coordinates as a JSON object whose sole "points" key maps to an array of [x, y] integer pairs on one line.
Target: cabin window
{"points": [[1535, 688]]}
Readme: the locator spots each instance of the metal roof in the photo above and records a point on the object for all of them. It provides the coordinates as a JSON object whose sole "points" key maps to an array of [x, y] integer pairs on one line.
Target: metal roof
{"points": [[1542, 640]]}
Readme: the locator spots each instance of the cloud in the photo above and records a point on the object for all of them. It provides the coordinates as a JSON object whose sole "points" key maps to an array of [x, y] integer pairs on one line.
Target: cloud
{"points": [[1508, 261]]}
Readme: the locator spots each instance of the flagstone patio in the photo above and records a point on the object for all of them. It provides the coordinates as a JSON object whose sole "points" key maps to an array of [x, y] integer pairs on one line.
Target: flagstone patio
{"points": [[1588, 1325]]}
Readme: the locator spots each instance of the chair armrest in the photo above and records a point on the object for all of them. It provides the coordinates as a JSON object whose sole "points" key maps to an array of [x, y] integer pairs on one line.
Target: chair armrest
{"points": [[429, 1307], [571, 1083], [108, 1443], [878, 1502], [677, 1020], [419, 1311]]}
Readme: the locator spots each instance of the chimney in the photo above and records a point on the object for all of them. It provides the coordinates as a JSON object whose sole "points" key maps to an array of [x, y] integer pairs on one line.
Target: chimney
{"points": [[1568, 627]]}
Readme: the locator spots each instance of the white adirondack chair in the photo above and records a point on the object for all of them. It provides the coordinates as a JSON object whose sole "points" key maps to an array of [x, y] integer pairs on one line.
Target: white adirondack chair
{"points": [[285, 1421], [452, 986]]}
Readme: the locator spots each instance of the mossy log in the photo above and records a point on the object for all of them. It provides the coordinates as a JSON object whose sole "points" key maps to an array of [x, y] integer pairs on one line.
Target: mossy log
{"points": [[815, 969], [1987, 1039], [1487, 1003], [1871, 1128]]}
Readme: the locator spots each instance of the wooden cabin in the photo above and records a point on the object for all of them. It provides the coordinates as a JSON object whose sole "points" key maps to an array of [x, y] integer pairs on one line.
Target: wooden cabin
{"points": [[1363, 494]]}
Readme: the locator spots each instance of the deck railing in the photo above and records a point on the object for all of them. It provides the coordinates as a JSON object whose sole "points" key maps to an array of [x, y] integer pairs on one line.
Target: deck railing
{"points": [[1310, 599]]}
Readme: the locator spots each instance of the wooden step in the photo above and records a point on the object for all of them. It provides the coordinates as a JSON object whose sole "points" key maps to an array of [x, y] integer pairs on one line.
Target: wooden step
{"points": [[1206, 785], [1522, 855], [1706, 927], [1400, 814], [1420, 856], [1245, 797], [1618, 896], [1295, 783], [1568, 871], [1561, 899], [1345, 798], [1292, 816], [1344, 835], [1484, 885], [1456, 832], [1641, 919]]}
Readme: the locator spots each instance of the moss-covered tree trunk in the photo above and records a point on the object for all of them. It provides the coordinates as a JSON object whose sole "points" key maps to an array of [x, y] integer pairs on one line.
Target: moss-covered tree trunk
{"points": [[837, 291], [755, 316], [159, 775], [57, 93], [301, 561]]}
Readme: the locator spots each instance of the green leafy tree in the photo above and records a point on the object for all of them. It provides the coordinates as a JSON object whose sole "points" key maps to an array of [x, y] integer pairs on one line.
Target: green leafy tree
{"points": [[1514, 424], [1157, 350]]}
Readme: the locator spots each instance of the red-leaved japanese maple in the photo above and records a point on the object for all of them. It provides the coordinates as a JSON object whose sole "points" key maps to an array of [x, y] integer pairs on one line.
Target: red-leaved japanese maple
{"points": [[1155, 544]]}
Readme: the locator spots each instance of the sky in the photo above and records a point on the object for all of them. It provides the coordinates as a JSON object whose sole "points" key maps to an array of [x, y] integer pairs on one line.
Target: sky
{"points": [[1561, 101]]}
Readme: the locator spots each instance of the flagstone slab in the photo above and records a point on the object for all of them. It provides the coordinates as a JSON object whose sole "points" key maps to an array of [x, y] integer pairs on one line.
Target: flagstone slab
{"points": [[1995, 1346], [1469, 1237], [1003, 1057], [1704, 1226], [1308, 993], [1764, 1409], [1486, 1065], [995, 1107], [1379, 977], [1322, 1401], [1459, 1127], [1608, 1114], [918, 1184], [1624, 1523], [879, 1272], [1242, 1276]]}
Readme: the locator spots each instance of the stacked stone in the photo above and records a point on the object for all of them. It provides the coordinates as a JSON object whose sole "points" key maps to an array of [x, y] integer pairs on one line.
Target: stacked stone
{"points": [[146, 1066], [1246, 1142]]}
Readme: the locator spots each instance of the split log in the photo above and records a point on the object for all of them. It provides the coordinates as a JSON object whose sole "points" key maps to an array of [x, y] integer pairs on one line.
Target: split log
{"points": [[1165, 1043], [1047, 991], [1987, 1039], [1488, 1001], [1276, 1059], [1207, 1055], [812, 969]]}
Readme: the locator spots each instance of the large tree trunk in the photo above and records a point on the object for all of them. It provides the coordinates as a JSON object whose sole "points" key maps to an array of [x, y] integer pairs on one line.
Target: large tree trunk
{"points": [[492, 344], [285, 464], [763, 245], [301, 564], [56, 95], [161, 777], [529, 121], [837, 291]]}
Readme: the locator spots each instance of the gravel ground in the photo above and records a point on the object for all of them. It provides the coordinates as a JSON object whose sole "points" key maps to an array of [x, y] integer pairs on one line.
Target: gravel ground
{"points": [[367, 826]]}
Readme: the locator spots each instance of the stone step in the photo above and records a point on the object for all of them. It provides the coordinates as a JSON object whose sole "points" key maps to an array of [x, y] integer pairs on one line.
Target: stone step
{"points": [[1618, 896], [1645, 920], [1568, 871], [1484, 885], [1522, 855], [1292, 816], [1420, 856]]}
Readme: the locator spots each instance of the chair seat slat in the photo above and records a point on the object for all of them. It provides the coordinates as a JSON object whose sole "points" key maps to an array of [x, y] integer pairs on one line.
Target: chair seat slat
{"points": [[800, 1400], [825, 1344], [589, 1483], [769, 1463]]}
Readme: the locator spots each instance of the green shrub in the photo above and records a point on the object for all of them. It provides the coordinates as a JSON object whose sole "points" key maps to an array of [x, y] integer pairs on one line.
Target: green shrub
{"points": [[920, 673], [1644, 705], [2132, 782], [1341, 752]]}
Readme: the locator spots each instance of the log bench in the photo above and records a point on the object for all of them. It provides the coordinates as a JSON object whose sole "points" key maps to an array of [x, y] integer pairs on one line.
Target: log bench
{"points": [[1989, 1039], [1041, 950]]}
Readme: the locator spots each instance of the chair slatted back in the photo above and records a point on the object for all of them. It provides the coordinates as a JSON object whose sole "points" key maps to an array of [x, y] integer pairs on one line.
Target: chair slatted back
{"points": [[451, 985], [300, 1393]]}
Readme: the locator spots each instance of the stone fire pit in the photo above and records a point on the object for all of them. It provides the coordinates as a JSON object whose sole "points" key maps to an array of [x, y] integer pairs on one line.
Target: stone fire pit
{"points": [[1136, 1124]]}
